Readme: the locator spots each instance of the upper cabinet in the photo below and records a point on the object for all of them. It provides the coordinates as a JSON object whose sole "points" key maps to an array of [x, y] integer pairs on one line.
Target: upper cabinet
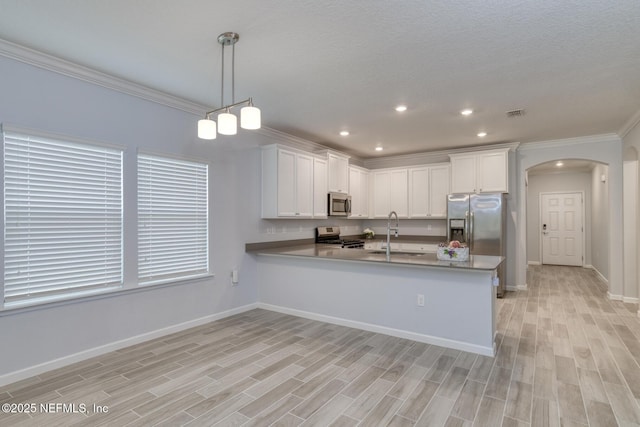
{"points": [[287, 183], [389, 192], [428, 189], [480, 172], [338, 172], [320, 200], [359, 192]]}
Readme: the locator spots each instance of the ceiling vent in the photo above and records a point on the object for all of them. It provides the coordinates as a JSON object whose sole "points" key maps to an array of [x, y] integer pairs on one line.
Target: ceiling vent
{"points": [[515, 113]]}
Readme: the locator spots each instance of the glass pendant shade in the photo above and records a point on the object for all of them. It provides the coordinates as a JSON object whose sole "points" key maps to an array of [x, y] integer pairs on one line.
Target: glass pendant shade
{"points": [[250, 118], [206, 129], [227, 124]]}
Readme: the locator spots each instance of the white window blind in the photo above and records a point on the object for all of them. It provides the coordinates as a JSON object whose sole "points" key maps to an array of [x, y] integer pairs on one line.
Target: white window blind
{"points": [[62, 219], [172, 219]]}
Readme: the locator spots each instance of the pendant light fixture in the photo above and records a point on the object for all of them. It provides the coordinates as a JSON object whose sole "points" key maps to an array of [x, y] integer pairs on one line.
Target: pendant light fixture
{"points": [[228, 122]]}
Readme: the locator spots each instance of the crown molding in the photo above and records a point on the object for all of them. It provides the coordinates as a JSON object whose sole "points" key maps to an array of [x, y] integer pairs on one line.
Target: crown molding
{"points": [[591, 139], [429, 157], [630, 124], [276, 136], [51, 63]]}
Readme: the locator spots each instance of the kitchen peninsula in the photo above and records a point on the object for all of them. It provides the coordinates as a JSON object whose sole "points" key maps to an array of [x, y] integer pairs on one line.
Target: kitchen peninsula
{"points": [[413, 296]]}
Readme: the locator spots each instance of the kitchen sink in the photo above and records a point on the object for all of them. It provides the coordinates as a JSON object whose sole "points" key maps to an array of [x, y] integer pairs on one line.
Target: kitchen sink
{"points": [[399, 253]]}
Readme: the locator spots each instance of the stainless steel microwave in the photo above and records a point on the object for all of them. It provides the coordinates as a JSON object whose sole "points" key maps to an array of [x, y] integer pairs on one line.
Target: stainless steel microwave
{"points": [[339, 204]]}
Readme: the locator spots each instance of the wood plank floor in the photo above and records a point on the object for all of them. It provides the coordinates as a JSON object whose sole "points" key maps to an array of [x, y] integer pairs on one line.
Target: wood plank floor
{"points": [[566, 356]]}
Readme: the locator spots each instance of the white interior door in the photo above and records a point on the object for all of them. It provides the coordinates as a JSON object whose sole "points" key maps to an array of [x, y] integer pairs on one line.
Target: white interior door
{"points": [[562, 228]]}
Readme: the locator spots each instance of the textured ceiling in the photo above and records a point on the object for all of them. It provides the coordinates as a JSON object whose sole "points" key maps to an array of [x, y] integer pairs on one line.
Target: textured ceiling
{"points": [[316, 67]]}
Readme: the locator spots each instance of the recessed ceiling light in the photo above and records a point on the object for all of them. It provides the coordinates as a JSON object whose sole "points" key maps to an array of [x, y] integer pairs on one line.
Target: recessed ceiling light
{"points": [[466, 112], [482, 134], [401, 108], [378, 148], [559, 164], [344, 133]]}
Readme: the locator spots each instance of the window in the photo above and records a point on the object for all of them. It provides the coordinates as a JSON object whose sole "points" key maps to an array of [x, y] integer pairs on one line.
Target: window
{"points": [[172, 219], [62, 219]]}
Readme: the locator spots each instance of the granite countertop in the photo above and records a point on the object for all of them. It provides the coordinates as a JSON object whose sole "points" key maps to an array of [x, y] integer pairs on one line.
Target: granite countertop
{"points": [[335, 252]]}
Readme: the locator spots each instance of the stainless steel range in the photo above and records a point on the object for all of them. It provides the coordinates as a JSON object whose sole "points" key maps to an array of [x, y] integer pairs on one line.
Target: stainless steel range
{"points": [[331, 236]]}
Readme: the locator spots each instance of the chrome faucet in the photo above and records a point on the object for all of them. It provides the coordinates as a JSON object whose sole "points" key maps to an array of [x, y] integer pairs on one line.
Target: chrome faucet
{"points": [[389, 228]]}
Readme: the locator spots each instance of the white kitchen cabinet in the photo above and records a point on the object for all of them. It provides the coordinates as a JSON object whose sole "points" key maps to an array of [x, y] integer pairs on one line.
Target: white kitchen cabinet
{"points": [[320, 188], [338, 173], [287, 183], [480, 172], [359, 192], [439, 189], [390, 192], [428, 189]]}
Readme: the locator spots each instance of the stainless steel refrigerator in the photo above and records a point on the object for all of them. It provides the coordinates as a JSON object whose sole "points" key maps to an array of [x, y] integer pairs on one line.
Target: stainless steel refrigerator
{"points": [[479, 220]]}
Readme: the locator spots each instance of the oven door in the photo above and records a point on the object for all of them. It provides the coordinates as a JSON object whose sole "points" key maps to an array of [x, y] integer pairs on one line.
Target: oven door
{"points": [[339, 204]]}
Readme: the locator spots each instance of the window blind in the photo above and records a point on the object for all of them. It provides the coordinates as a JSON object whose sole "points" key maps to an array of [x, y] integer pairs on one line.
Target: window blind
{"points": [[172, 219], [62, 219]]}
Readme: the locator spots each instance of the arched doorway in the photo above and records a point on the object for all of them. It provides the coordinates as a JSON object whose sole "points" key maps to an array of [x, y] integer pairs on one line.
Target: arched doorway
{"points": [[603, 149], [567, 194]]}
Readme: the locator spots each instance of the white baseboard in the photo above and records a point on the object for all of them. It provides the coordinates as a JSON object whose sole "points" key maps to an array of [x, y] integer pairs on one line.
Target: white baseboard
{"points": [[513, 288], [533, 262], [604, 279], [428, 339], [613, 297], [106, 348], [630, 300]]}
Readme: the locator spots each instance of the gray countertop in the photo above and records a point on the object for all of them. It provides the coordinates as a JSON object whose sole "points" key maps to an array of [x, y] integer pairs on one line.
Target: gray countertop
{"points": [[334, 252]]}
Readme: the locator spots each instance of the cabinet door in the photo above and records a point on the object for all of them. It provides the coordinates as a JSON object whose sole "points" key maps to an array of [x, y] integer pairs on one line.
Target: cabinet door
{"points": [[286, 183], [492, 172], [381, 193], [359, 192], [418, 194], [320, 188], [338, 173], [304, 186], [463, 174], [354, 192], [439, 188], [399, 192], [364, 194]]}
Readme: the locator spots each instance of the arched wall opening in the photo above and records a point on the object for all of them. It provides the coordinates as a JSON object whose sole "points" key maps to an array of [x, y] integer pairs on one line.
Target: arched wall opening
{"points": [[576, 179], [602, 150]]}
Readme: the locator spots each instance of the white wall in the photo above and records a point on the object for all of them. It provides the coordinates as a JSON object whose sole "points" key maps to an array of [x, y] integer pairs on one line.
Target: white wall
{"points": [[555, 182]]}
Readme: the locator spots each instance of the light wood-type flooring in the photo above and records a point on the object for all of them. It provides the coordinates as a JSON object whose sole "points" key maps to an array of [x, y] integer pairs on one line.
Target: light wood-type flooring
{"points": [[566, 356]]}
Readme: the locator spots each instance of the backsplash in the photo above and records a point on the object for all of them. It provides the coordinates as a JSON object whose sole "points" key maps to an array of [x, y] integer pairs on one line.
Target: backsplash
{"points": [[291, 229]]}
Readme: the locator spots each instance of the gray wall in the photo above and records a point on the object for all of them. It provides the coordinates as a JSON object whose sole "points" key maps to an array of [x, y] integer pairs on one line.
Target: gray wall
{"points": [[600, 220], [555, 182], [631, 143], [50, 102], [598, 148]]}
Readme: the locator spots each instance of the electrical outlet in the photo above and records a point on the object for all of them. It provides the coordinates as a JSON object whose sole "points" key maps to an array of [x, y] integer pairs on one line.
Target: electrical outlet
{"points": [[420, 301]]}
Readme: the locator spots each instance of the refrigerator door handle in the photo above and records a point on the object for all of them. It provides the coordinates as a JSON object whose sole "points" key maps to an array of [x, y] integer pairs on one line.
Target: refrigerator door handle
{"points": [[471, 232], [466, 227]]}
